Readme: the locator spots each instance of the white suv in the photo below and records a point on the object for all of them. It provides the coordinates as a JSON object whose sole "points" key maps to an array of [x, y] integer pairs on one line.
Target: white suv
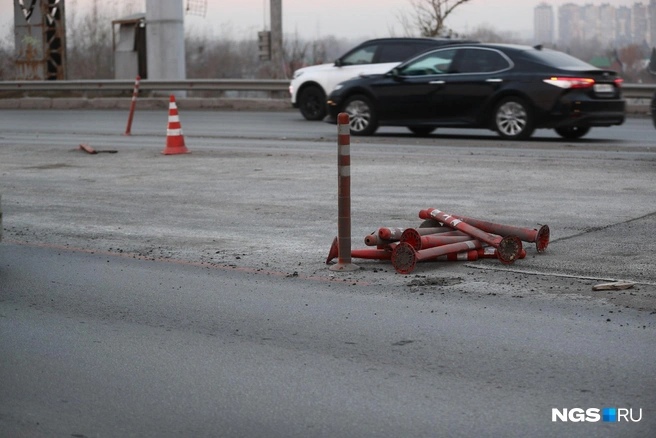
{"points": [[310, 85]]}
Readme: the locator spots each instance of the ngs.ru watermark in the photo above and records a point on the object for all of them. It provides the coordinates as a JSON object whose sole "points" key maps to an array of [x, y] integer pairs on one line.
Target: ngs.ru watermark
{"points": [[593, 415]]}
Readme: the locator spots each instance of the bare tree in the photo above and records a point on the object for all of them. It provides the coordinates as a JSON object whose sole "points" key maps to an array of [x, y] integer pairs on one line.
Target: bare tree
{"points": [[7, 71], [89, 41], [294, 54], [218, 56], [429, 16], [488, 34], [630, 62]]}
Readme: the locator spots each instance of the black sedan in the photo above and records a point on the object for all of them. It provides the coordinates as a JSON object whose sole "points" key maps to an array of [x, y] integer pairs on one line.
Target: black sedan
{"points": [[510, 89]]}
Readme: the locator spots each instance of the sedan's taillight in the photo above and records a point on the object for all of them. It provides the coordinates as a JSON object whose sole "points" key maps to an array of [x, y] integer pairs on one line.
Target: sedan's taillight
{"points": [[618, 82], [570, 82]]}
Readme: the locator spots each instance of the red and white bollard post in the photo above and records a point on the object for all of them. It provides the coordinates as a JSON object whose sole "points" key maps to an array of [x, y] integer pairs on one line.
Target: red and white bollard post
{"points": [[389, 233], [405, 257], [343, 195], [417, 241], [508, 248], [133, 105], [539, 237], [386, 235]]}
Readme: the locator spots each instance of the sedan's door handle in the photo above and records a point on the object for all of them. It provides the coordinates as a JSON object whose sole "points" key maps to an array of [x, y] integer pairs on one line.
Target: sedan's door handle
{"points": [[437, 82], [494, 80]]}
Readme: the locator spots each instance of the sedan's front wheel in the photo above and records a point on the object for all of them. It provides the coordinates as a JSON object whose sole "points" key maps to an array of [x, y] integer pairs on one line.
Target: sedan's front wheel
{"points": [[513, 119], [362, 116]]}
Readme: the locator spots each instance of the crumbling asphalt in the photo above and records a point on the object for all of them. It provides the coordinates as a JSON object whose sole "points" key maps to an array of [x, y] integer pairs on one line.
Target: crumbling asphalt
{"points": [[270, 206]]}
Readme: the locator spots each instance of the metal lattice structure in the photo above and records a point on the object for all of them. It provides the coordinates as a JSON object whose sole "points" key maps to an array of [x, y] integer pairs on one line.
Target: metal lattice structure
{"points": [[40, 39], [196, 7]]}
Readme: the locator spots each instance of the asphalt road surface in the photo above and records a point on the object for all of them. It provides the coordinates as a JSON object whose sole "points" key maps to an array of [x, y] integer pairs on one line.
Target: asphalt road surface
{"points": [[152, 295], [105, 345], [199, 125]]}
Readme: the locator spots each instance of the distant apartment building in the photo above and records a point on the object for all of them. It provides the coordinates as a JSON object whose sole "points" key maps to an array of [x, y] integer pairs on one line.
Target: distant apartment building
{"points": [[569, 22], [606, 23], [590, 22], [652, 23], [640, 23], [544, 25], [623, 32]]}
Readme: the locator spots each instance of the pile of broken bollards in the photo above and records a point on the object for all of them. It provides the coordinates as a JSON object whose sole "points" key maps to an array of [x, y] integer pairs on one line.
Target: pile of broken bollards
{"points": [[444, 236]]}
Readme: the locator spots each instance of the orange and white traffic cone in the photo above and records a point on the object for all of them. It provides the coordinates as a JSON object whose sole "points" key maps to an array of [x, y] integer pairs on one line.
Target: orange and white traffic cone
{"points": [[175, 143]]}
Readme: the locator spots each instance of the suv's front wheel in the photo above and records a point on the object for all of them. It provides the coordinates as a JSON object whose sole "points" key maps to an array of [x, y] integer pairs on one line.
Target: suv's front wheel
{"points": [[362, 115], [312, 103]]}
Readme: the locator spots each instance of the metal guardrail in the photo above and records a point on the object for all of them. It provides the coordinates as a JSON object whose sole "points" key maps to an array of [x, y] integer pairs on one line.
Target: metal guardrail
{"points": [[149, 85], [630, 91], [638, 91]]}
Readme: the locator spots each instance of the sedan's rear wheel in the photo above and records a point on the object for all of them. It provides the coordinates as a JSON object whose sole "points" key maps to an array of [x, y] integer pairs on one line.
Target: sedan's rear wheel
{"points": [[421, 131], [513, 119], [653, 109], [362, 116], [573, 132]]}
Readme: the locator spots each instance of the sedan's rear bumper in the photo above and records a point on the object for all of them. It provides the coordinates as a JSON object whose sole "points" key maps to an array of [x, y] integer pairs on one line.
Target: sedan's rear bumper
{"points": [[588, 113]]}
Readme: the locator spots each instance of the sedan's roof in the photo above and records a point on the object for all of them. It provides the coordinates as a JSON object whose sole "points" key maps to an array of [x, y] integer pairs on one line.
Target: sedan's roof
{"points": [[539, 54]]}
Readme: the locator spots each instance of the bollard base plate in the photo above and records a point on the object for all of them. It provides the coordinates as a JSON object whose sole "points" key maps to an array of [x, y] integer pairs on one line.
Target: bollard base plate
{"points": [[509, 249], [344, 267], [404, 258], [542, 239]]}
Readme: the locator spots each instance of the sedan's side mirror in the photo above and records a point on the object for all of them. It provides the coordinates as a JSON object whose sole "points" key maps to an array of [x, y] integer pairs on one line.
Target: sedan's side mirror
{"points": [[338, 63]]}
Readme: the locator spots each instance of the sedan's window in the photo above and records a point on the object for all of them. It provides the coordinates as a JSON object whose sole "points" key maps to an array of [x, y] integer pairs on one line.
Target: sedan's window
{"points": [[481, 61], [432, 63], [363, 55]]}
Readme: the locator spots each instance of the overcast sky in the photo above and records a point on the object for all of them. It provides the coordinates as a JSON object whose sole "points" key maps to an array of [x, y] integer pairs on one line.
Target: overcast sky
{"points": [[343, 18]]}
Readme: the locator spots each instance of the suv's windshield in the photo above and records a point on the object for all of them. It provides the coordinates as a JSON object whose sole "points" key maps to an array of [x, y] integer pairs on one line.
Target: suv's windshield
{"points": [[365, 55]]}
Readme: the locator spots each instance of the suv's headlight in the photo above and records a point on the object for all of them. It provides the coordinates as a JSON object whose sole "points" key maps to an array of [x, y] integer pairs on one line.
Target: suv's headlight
{"points": [[338, 87], [297, 74]]}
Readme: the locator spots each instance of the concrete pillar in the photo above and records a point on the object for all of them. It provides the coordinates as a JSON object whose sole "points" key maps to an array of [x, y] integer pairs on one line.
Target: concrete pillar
{"points": [[276, 39], [165, 40]]}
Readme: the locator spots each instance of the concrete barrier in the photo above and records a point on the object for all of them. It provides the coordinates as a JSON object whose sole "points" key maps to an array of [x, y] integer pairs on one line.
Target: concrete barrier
{"points": [[634, 106]]}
